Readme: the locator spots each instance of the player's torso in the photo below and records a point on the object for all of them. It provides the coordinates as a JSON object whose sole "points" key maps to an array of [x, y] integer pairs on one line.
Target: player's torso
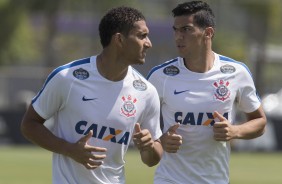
{"points": [[110, 109], [191, 98]]}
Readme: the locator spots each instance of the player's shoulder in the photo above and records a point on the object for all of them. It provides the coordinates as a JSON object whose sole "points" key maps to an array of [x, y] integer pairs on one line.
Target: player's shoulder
{"points": [[140, 82], [76, 64], [77, 68], [231, 65], [169, 67]]}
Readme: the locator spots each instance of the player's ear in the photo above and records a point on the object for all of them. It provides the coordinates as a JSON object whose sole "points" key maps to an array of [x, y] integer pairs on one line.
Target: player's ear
{"points": [[118, 39], [209, 32]]}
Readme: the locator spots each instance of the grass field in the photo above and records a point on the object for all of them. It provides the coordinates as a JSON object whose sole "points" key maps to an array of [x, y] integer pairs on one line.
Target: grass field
{"points": [[32, 165]]}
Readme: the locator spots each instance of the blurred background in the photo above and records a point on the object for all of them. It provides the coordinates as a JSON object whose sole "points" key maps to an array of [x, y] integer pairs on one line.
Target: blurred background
{"points": [[38, 36]]}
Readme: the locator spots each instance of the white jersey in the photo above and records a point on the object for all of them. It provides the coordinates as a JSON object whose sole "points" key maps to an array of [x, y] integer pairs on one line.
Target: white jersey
{"points": [[190, 99], [80, 100]]}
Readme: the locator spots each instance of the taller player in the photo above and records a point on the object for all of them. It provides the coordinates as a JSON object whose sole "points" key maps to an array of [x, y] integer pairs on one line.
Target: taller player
{"points": [[197, 92], [98, 104]]}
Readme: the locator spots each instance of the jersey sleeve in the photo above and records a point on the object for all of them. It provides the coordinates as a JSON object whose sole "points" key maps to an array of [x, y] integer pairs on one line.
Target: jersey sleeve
{"points": [[151, 118], [248, 99], [51, 97]]}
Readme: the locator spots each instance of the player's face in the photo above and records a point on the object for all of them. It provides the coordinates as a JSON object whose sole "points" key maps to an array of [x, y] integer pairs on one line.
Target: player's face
{"points": [[137, 43], [189, 37]]}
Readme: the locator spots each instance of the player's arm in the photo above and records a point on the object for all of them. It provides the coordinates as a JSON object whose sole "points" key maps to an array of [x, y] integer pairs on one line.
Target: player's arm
{"points": [[150, 150], [151, 157], [33, 129], [252, 128]]}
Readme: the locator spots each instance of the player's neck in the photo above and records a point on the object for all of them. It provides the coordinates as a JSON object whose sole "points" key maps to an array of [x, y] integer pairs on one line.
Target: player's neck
{"points": [[200, 63], [110, 68]]}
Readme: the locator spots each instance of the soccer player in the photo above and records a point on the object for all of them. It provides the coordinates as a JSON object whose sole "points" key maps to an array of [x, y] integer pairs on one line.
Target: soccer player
{"points": [[198, 91], [99, 104]]}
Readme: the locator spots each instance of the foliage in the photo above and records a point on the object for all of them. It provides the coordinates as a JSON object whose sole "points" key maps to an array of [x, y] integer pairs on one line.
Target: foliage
{"points": [[21, 45], [10, 13], [229, 46], [31, 31]]}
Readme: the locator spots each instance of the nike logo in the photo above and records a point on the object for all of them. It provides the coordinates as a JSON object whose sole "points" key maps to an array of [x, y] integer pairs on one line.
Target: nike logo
{"points": [[178, 92], [88, 99]]}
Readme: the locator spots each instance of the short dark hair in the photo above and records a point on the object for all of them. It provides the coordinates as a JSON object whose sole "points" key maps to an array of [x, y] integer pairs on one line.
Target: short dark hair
{"points": [[203, 14], [118, 20]]}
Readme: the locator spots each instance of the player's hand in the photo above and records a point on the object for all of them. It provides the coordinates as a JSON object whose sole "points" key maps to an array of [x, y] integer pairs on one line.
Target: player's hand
{"points": [[171, 141], [84, 153], [223, 130], [142, 138]]}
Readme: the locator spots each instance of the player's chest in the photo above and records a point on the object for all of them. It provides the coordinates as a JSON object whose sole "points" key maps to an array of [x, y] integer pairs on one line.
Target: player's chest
{"points": [[200, 93], [105, 101]]}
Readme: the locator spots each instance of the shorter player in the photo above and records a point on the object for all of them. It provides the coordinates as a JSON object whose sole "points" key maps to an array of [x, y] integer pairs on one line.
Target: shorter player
{"points": [[99, 104]]}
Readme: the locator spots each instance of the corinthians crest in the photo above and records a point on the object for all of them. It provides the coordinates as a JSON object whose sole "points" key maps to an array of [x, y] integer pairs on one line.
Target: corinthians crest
{"points": [[128, 107], [221, 92]]}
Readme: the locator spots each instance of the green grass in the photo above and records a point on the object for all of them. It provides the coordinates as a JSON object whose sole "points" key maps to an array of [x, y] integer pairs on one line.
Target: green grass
{"points": [[256, 168], [32, 165], [25, 165]]}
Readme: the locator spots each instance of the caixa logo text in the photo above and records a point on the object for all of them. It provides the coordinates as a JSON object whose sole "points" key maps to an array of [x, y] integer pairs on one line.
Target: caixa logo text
{"points": [[102, 132], [202, 118]]}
